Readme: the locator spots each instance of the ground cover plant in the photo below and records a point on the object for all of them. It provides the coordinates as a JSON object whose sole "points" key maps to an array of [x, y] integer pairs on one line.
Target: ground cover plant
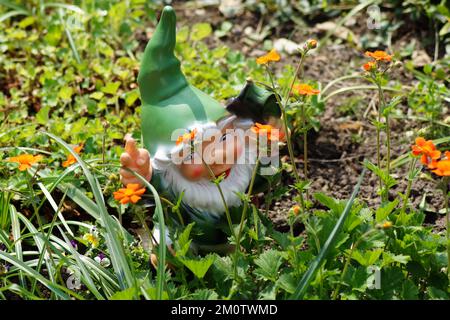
{"points": [[362, 208]]}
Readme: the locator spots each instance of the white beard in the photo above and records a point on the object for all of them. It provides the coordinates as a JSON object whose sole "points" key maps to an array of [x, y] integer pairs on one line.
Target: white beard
{"points": [[204, 195]]}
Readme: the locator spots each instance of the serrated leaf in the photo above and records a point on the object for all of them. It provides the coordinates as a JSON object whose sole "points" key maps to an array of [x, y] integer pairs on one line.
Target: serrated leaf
{"points": [[383, 212], [286, 282], [268, 264], [199, 267], [388, 181], [183, 240], [205, 294], [329, 202]]}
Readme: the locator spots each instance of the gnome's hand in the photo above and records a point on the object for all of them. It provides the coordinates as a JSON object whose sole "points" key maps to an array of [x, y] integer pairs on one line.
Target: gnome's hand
{"points": [[134, 159]]}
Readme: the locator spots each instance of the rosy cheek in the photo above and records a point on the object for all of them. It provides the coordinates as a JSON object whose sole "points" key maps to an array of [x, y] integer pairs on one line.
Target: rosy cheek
{"points": [[197, 172]]}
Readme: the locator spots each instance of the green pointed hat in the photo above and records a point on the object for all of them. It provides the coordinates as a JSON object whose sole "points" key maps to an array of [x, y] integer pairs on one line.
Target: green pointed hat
{"points": [[169, 102]]}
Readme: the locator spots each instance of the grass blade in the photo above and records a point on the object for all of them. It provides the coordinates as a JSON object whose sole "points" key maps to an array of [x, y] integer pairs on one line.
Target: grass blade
{"points": [[55, 207], [15, 226], [121, 265], [161, 272]]}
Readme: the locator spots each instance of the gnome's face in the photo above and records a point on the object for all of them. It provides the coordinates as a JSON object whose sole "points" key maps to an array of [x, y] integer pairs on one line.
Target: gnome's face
{"points": [[220, 146], [205, 152]]}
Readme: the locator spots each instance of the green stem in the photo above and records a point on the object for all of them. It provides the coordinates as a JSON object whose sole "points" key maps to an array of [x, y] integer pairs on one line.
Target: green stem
{"points": [[447, 213], [243, 216], [286, 127], [244, 211], [380, 111], [410, 181], [227, 211], [388, 128], [305, 147], [379, 156]]}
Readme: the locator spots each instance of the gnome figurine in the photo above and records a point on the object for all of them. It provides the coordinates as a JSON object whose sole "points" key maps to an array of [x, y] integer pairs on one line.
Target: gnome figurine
{"points": [[178, 121]]}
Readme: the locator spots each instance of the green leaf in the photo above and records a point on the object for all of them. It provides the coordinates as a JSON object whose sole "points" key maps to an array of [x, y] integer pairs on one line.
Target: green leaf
{"points": [[367, 258], [199, 267], [111, 87], [42, 115], [383, 212], [437, 294], [286, 282], [387, 179], [205, 294], [28, 21], [65, 93], [182, 34], [200, 31], [268, 264], [131, 97], [127, 294], [410, 290], [183, 240], [333, 204], [97, 95]]}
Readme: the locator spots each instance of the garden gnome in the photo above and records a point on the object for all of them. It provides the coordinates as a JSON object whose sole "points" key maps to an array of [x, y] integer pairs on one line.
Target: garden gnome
{"points": [[174, 115]]}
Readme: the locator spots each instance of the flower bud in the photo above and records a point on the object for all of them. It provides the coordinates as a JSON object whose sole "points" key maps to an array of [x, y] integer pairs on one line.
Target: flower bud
{"points": [[387, 225], [296, 210], [311, 43]]}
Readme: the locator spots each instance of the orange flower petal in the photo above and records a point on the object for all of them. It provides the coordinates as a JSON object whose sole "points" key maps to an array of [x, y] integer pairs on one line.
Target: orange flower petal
{"points": [[271, 56], [420, 141], [424, 159], [135, 198], [118, 195], [435, 154], [132, 186], [140, 192], [24, 166]]}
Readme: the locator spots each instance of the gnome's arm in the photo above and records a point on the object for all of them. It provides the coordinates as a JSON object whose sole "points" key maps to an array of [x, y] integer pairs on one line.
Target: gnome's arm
{"points": [[134, 159]]}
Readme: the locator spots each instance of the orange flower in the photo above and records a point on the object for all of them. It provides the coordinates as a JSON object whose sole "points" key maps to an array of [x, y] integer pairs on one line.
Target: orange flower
{"points": [[271, 56], [186, 137], [267, 130], [379, 56], [369, 66], [25, 160], [427, 150], [443, 167], [71, 159], [296, 210], [130, 193], [305, 89]]}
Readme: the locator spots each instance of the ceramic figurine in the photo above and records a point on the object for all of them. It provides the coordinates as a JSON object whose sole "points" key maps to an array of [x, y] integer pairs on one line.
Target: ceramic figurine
{"points": [[171, 104]]}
